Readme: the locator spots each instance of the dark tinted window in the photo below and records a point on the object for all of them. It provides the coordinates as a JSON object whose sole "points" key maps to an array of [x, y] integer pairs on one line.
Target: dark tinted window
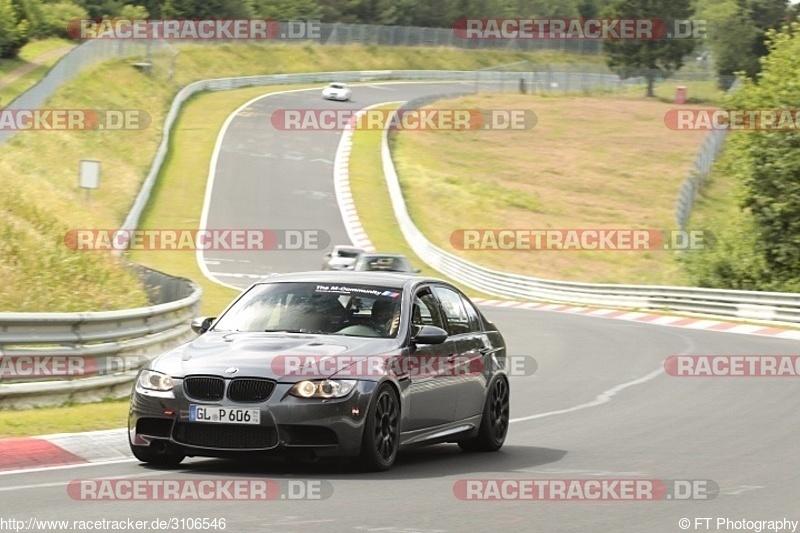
{"points": [[315, 308], [425, 311], [472, 313], [457, 319]]}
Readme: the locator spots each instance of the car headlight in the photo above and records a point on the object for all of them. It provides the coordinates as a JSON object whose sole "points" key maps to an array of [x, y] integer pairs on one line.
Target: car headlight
{"points": [[151, 380], [326, 388]]}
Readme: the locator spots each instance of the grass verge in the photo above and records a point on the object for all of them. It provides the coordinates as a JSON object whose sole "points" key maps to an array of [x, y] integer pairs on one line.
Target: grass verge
{"points": [[68, 419], [589, 162], [38, 169], [177, 198], [35, 59]]}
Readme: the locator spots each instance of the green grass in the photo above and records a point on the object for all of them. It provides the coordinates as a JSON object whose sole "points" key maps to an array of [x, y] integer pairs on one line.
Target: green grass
{"points": [[373, 203], [589, 162], [177, 199], [34, 49], [29, 54], [38, 169], [68, 419]]}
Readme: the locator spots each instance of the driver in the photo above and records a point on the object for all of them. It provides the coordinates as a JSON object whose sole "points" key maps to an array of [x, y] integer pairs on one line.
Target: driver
{"points": [[384, 319]]}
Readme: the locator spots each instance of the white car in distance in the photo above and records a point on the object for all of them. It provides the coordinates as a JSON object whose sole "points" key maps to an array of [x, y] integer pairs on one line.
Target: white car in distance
{"points": [[336, 91], [341, 258]]}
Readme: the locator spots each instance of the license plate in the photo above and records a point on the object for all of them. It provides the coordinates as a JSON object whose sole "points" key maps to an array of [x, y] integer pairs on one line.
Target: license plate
{"points": [[223, 415]]}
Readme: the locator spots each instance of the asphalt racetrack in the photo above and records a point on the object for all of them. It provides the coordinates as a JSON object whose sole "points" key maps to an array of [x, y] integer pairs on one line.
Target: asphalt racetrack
{"points": [[599, 407]]}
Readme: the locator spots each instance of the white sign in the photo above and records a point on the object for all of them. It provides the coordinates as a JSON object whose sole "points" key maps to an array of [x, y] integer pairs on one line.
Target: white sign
{"points": [[89, 174]]}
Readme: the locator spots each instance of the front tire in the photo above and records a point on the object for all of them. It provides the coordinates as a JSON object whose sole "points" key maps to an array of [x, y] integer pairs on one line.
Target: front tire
{"points": [[494, 422], [158, 454], [381, 439]]}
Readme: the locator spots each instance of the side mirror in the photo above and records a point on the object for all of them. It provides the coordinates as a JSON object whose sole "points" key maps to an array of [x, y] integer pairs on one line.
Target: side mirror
{"points": [[430, 335], [202, 324]]}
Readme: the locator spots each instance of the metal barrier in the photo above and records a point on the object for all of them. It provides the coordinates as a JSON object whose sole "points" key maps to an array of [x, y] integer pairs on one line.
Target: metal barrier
{"points": [[52, 358], [749, 305]]}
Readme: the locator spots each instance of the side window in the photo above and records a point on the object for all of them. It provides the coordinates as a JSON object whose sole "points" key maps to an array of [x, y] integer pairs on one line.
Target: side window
{"points": [[472, 314], [426, 310], [453, 308]]}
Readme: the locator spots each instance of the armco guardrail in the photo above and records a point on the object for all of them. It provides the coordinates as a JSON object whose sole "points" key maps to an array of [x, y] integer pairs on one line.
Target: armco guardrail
{"points": [[748, 305], [499, 79], [98, 352], [131, 337]]}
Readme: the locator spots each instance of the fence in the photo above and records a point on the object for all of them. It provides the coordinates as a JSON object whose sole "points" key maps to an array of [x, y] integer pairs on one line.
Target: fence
{"points": [[137, 334], [701, 168]]}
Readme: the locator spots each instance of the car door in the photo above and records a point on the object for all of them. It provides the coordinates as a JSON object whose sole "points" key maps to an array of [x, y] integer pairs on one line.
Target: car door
{"points": [[469, 372], [432, 397]]}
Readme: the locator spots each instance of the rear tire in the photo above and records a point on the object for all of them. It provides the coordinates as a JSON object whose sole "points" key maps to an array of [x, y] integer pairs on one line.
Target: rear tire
{"points": [[156, 455], [381, 439], [494, 422]]}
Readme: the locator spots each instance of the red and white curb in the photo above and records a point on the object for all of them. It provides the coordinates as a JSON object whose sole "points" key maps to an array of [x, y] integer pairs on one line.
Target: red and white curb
{"points": [[341, 185], [649, 318], [64, 449], [341, 174]]}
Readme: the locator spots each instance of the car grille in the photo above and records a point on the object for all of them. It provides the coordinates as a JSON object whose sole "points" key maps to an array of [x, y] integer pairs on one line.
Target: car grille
{"points": [[204, 388], [250, 390], [225, 436]]}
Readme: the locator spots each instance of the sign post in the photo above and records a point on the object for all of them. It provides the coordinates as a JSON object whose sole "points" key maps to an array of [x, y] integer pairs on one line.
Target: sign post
{"points": [[89, 176]]}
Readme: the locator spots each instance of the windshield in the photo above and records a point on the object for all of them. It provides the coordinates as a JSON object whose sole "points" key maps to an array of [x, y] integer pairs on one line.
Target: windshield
{"points": [[386, 264], [354, 310], [348, 254]]}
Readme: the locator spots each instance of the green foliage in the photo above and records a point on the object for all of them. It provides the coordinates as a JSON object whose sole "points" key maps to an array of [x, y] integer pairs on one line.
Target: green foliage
{"points": [[134, 12], [14, 29], [768, 162], [729, 262], [649, 58], [56, 17], [762, 247], [288, 9], [737, 32]]}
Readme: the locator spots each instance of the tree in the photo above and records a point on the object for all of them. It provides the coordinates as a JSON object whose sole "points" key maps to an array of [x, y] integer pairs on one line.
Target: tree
{"points": [[731, 36], [133, 12], [767, 163], [649, 58], [207, 9], [288, 9], [57, 16], [14, 29], [737, 32]]}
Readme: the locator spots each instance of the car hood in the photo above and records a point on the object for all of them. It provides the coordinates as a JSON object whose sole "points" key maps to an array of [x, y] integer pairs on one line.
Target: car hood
{"points": [[264, 354]]}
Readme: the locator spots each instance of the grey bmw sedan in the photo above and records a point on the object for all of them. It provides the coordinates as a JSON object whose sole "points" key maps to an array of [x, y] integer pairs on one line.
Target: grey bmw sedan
{"points": [[320, 364]]}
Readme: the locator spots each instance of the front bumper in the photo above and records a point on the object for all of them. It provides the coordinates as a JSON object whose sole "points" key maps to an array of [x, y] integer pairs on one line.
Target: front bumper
{"points": [[319, 427]]}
